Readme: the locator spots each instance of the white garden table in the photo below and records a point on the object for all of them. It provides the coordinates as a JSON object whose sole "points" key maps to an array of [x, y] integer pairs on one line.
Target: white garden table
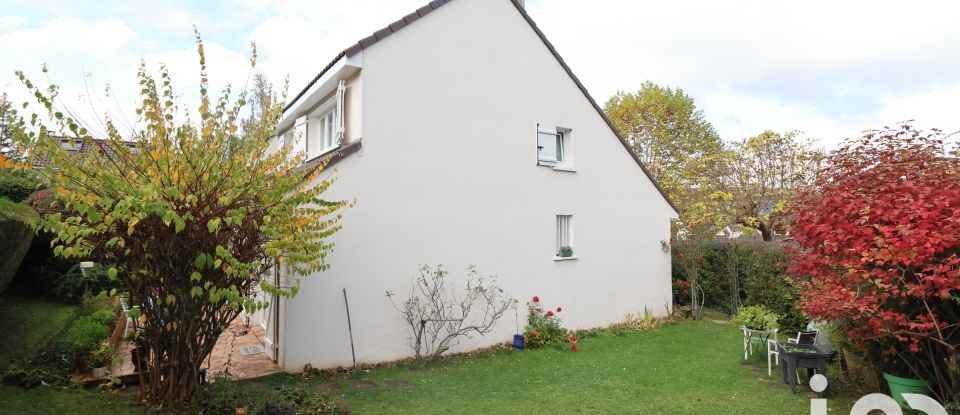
{"points": [[762, 335]]}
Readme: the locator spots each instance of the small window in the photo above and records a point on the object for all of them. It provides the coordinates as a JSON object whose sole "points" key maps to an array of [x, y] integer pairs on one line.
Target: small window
{"points": [[564, 236], [554, 146], [322, 133]]}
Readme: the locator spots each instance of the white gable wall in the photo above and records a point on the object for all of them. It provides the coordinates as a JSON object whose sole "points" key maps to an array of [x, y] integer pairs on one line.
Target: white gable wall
{"points": [[447, 175]]}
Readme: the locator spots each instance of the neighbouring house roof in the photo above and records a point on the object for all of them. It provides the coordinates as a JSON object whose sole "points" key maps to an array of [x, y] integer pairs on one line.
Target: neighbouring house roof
{"points": [[436, 4], [78, 148]]}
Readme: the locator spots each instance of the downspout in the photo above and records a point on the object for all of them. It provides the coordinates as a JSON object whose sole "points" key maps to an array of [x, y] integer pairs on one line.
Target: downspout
{"points": [[276, 316]]}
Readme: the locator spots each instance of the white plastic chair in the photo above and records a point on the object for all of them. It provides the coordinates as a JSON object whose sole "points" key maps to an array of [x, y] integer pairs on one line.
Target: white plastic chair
{"points": [[771, 352]]}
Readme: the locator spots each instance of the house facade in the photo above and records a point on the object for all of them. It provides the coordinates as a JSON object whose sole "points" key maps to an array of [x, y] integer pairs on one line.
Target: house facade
{"points": [[464, 139]]}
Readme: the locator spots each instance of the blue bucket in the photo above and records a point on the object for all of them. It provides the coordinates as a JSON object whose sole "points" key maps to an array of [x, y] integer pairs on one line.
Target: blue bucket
{"points": [[517, 342]]}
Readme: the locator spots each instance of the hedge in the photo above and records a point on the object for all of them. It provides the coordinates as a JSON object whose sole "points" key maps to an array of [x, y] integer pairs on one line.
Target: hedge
{"points": [[763, 280], [17, 185], [15, 237]]}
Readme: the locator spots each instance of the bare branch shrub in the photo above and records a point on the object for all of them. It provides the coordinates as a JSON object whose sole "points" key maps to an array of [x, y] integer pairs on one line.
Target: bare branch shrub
{"points": [[438, 317]]}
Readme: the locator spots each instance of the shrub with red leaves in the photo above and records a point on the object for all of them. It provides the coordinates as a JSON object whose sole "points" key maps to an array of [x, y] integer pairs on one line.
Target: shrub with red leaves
{"points": [[879, 251]]}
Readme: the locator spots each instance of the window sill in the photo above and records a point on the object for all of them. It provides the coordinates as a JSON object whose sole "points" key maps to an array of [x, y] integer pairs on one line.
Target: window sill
{"points": [[323, 153], [560, 258], [557, 167]]}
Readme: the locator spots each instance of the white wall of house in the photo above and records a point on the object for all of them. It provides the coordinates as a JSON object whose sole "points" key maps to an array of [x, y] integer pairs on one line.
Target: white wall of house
{"points": [[447, 174]]}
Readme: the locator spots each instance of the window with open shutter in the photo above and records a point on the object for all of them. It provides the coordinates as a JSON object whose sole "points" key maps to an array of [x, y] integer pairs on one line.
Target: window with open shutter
{"points": [[555, 147], [547, 148]]}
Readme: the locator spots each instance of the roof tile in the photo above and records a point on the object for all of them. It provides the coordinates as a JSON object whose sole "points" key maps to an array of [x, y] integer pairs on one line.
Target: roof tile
{"points": [[367, 41], [410, 18], [382, 33], [397, 25]]}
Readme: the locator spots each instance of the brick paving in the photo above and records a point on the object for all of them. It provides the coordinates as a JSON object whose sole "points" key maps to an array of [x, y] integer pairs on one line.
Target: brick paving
{"points": [[225, 358]]}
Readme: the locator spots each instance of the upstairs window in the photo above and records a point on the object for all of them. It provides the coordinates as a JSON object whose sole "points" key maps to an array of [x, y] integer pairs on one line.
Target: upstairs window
{"points": [[554, 147], [320, 132], [564, 248], [325, 129]]}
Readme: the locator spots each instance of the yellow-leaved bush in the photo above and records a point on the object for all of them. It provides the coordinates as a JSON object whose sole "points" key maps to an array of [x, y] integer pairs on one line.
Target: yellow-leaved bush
{"points": [[192, 215]]}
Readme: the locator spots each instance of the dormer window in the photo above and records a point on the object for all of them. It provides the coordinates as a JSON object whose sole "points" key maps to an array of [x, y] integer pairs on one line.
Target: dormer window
{"points": [[325, 125]]}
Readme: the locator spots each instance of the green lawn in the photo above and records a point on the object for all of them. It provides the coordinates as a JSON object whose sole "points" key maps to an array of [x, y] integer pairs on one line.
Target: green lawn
{"points": [[27, 324], [686, 368], [64, 400]]}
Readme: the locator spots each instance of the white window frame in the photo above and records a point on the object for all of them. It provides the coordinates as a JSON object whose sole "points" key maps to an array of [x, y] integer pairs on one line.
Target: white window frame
{"points": [[327, 121], [563, 160], [322, 131], [564, 236]]}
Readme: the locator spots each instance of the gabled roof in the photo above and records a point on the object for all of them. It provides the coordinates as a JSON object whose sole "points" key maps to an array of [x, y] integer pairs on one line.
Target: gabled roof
{"points": [[436, 4]]}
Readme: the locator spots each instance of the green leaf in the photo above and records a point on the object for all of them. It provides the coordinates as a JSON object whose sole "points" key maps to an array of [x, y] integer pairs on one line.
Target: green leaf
{"points": [[213, 225], [195, 276], [112, 273], [113, 241], [200, 261]]}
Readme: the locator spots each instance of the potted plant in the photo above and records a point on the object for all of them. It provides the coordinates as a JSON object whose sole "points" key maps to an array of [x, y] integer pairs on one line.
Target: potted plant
{"points": [[757, 317], [102, 357], [901, 379], [565, 252], [140, 353]]}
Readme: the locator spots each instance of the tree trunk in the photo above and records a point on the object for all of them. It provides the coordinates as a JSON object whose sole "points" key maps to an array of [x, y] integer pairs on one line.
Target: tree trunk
{"points": [[180, 337], [766, 231]]}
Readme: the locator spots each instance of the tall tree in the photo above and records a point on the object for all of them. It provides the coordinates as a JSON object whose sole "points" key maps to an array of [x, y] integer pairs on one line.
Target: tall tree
{"points": [[670, 135], [762, 175], [195, 215]]}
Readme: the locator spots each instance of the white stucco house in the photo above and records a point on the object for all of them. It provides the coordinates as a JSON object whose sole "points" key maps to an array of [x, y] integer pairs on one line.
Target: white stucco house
{"points": [[466, 140]]}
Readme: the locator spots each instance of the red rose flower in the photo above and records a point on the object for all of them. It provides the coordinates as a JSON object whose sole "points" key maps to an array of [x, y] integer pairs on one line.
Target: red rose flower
{"points": [[572, 339], [574, 348], [549, 313], [558, 309], [533, 334], [536, 299]]}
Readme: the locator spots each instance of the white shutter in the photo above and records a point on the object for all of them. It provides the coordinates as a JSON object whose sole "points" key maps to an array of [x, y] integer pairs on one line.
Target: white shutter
{"points": [[341, 91], [299, 139], [546, 143]]}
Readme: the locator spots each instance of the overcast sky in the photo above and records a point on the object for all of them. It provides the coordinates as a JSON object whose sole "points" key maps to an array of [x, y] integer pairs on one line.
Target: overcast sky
{"points": [[830, 69]]}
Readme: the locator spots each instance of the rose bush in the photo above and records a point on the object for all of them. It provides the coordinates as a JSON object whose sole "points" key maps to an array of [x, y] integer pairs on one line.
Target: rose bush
{"points": [[543, 326]]}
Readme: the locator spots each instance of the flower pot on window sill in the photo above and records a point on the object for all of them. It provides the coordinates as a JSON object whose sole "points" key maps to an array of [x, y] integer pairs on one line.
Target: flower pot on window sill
{"points": [[99, 372]]}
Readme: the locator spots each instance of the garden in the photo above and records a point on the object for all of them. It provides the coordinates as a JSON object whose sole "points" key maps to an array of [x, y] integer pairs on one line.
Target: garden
{"points": [[616, 370], [862, 287]]}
